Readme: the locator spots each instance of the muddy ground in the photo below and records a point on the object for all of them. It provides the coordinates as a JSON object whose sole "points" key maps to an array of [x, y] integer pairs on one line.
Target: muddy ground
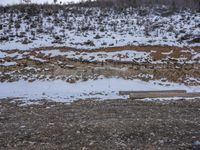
{"points": [[100, 125]]}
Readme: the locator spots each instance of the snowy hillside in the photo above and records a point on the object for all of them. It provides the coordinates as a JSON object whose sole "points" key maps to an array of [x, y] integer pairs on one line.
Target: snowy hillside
{"points": [[100, 74], [71, 46], [91, 28]]}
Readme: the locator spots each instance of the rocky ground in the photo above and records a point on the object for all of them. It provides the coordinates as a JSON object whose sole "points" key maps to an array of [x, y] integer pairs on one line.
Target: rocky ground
{"points": [[117, 124]]}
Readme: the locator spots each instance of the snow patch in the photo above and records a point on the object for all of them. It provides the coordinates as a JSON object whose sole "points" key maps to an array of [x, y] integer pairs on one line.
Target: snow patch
{"points": [[8, 64], [103, 89], [125, 55]]}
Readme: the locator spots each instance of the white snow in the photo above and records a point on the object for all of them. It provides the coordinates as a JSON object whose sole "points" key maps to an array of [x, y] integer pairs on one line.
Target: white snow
{"points": [[75, 30], [8, 64], [197, 56], [11, 2], [2, 54], [61, 91], [37, 59], [197, 143], [122, 56], [166, 99], [125, 55], [167, 53]]}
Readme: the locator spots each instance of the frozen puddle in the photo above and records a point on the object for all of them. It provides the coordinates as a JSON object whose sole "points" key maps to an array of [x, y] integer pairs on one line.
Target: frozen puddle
{"points": [[61, 91]]}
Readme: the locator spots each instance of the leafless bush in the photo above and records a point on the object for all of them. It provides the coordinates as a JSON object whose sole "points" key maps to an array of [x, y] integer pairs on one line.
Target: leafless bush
{"points": [[118, 5], [174, 4]]}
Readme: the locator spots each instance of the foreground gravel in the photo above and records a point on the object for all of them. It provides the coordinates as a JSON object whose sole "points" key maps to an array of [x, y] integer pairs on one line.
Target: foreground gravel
{"points": [[94, 125]]}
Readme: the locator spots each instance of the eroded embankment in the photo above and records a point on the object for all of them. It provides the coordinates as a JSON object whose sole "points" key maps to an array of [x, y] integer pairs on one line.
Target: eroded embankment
{"points": [[165, 63]]}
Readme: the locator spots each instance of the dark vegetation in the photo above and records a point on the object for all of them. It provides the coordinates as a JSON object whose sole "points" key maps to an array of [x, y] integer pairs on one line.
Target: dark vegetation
{"points": [[174, 5], [120, 4]]}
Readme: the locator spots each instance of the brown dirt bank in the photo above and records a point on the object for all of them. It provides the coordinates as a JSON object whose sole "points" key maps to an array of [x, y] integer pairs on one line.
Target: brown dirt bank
{"points": [[163, 48]]}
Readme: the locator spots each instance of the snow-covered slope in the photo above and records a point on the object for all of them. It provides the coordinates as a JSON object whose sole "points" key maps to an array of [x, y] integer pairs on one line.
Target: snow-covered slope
{"points": [[91, 28], [72, 66]]}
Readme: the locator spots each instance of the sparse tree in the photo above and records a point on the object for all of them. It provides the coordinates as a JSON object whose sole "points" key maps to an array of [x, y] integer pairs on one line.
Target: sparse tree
{"points": [[55, 1], [27, 1], [17, 26], [173, 6]]}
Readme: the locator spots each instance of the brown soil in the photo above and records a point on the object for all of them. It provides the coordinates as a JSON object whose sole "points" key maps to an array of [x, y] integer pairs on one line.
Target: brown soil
{"points": [[157, 54], [147, 48], [58, 68]]}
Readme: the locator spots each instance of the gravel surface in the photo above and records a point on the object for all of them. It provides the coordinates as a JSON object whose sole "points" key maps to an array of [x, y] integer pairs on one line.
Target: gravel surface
{"points": [[96, 125]]}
